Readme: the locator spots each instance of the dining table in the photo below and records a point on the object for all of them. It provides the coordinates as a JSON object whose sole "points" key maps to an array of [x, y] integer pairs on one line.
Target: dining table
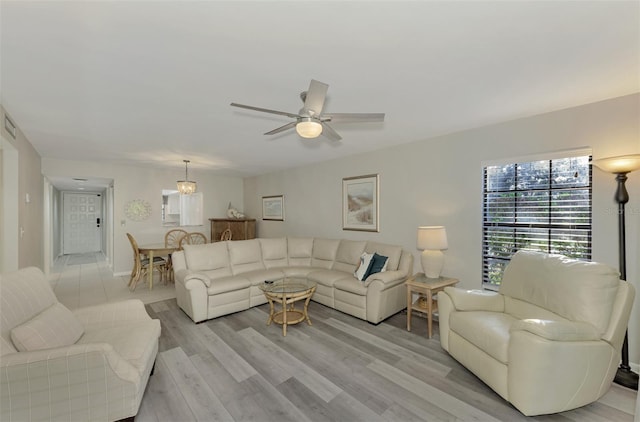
{"points": [[155, 249]]}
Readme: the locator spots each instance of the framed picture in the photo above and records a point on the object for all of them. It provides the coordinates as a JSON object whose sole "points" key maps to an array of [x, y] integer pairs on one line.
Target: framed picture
{"points": [[360, 203], [273, 208]]}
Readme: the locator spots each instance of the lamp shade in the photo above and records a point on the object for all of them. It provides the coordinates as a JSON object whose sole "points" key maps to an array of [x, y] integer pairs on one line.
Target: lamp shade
{"points": [[308, 128], [432, 238], [619, 164]]}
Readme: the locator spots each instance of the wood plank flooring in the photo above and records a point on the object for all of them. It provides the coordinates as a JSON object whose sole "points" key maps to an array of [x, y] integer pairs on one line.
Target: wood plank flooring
{"points": [[236, 368]]}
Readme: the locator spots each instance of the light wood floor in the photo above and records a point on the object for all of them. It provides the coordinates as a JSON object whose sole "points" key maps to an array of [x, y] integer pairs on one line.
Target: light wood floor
{"points": [[86, 279], [235, 368]]}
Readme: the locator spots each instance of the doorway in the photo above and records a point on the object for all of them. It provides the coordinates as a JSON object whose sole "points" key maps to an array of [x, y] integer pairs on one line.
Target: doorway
{"points": [[82, 222]]}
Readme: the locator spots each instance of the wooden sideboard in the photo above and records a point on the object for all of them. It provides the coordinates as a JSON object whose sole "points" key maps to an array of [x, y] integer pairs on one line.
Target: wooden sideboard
{"points": [[241, 228]]}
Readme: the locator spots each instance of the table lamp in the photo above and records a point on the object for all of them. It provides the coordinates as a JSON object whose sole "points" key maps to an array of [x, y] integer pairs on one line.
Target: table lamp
{"points": [[432, 240]]}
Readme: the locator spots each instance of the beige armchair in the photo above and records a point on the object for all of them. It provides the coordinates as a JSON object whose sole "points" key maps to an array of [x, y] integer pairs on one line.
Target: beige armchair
{"points": [[550, 340], [55, 364]]}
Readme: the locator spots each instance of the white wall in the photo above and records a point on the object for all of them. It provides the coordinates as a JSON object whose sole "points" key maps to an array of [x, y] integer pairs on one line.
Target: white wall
{"points": [[438, 181], [131, 182]]}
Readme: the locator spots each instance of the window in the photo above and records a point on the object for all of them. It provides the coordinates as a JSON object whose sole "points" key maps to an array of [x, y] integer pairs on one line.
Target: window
{"points": [[538, 205]]}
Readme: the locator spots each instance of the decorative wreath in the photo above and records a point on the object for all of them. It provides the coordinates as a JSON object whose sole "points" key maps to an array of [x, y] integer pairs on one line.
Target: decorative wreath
{"points": [[137, 210]]}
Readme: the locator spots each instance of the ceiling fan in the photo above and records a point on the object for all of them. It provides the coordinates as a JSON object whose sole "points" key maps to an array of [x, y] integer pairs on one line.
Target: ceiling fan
{"points": [[310, 121]]}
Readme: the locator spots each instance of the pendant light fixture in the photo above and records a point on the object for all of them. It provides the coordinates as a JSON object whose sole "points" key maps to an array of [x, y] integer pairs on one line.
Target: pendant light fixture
{"points": [[186, 187]]}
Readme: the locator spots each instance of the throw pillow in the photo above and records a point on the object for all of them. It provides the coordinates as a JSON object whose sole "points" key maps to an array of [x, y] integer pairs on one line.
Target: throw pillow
{"points": [[366, 259], [57, 326], [378, 263]]}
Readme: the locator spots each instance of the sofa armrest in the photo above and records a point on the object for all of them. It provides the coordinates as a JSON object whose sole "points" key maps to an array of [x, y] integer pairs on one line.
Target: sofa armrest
{"points": [[558, 330], [203, 278], [387, 279], [75, 359], [112, 314], [475, 300]]}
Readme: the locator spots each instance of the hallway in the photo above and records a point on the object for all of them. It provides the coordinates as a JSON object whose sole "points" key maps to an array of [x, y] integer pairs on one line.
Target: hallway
{"points": [[85, 279]]}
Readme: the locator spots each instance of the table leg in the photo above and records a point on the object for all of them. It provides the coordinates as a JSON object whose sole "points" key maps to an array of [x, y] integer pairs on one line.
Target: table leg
{"points": [[150, 275], [429, 313], [284, 316], [409, 298], [306, 306], [271, 310]]}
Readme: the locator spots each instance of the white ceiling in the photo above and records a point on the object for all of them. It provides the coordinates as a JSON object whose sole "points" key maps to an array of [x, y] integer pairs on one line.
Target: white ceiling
{"points": [[149, 83]]}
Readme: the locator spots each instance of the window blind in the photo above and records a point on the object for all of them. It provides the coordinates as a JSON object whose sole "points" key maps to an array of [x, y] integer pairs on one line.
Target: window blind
{"points": [[540, 205]]}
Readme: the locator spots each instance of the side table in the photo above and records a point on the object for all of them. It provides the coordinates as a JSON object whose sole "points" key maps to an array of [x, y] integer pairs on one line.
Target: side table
{"points": [[425, 287]]}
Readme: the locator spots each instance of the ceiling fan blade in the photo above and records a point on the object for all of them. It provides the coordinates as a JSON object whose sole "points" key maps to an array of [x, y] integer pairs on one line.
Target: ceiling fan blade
{"points": [[265, 110], [282, 128], [353, 117], [330, 133], [314, 100]]}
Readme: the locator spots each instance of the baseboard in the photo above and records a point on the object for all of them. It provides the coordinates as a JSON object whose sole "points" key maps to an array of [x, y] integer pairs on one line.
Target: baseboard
{"points": [[121, 273], [634, 367]]}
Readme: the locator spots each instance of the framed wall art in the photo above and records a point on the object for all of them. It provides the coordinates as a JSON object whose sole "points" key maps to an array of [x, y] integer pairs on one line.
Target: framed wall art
{"points": [[273, 208], [360, 203]]}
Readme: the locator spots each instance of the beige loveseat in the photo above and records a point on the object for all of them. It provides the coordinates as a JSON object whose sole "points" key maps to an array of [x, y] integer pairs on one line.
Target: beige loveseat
{"points": [[550, 340], [55, 364], [219, 278]]}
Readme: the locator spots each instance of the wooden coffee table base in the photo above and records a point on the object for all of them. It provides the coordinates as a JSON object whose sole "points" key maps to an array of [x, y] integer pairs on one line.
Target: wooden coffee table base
{"points": [[289, 315]]}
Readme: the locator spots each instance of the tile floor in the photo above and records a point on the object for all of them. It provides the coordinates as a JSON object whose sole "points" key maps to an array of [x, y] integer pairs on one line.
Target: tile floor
{"points": [[86, 279]]}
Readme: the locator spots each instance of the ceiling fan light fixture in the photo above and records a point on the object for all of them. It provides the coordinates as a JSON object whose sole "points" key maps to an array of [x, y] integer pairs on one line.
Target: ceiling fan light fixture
{"points": [[308, 128], [186, 186]]}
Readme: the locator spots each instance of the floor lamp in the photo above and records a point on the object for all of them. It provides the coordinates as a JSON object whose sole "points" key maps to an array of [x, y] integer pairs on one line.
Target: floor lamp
{"points": [[620, 166]]}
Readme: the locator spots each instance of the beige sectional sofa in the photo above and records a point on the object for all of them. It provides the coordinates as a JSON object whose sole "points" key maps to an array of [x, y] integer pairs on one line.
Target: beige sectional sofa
{"points": [[92, 363], [550, 340], [219, 278]]}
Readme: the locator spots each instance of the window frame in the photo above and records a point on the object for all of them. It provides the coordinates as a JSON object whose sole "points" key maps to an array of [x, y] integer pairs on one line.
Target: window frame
{"points": [[549, 226]]}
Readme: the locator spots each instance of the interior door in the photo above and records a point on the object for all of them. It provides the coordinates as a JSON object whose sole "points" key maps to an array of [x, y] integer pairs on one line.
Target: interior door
{"points": [[82, 221]]}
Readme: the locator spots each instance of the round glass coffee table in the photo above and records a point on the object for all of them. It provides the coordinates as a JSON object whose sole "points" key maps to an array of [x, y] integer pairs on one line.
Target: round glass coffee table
{"points": [[287, 291]]}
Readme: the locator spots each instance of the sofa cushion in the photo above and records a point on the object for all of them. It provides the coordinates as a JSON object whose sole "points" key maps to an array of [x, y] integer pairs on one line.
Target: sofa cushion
{"points": [[209, 256], [324, 252], [558, 330], [57, 326], [300, 251], [258, 277], [274, 252], [245, 255], [351, 285], [297, 271], [348, 255], [228, 284], [519, 309], [576, 290], [394, 252], [489, 331], [327, 277]]}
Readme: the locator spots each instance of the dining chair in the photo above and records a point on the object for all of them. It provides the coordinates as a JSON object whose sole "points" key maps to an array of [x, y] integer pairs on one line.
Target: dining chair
{"points": [[173, 236], [172, 239], [194, 238], [141, 265]]}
